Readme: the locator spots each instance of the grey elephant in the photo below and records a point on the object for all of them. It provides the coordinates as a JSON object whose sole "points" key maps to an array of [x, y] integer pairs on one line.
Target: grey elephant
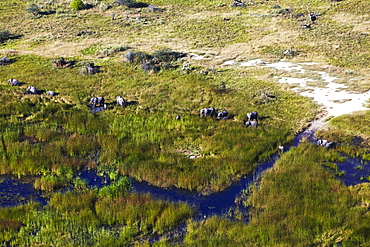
{"points": [[252, 123], [50, 93], [13, 82], [330, 145], [32, 90], [120, 101], [97, 101], [208, 112], [223, 115], [322, 142], [252, 116]]}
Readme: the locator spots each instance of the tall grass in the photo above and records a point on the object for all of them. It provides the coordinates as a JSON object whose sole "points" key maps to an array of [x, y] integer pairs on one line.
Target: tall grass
{"points": [[87, 217], [143, 140], [297, 203], [351, 133]]}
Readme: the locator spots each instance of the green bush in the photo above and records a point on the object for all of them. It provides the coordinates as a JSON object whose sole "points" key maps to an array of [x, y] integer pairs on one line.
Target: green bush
{"points": [[33, 9], [116, 189], [77, 4], [4, 35]]}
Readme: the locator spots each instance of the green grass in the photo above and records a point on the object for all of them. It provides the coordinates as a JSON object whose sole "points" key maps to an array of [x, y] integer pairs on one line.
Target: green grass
{"points": [[351, 132], [49, 133], [81, 218], [297, 203]]}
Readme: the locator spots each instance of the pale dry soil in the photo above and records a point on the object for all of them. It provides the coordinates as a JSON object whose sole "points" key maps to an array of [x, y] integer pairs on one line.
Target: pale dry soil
{"points": [[335, 89]]}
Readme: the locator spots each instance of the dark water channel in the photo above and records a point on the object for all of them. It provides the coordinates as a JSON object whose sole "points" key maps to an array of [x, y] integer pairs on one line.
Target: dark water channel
{"points": [[15, 191], [19, 191]]}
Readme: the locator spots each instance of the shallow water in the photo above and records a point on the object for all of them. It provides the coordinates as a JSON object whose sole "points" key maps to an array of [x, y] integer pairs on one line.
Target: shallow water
{"points": [[19, 191], [15, 192], [356, 171]]}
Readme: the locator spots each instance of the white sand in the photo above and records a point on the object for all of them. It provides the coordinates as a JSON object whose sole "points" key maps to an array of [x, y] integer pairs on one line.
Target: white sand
{"points": [[333, 97]]}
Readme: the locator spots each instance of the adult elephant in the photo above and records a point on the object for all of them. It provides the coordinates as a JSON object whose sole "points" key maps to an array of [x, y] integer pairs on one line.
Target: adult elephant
{"points": [[208, 112], [330, 145], [120, 101], [97, 101], [252, 116], [322, 142], [13, 82], [222, 115], [50, 93], [32, 90]]}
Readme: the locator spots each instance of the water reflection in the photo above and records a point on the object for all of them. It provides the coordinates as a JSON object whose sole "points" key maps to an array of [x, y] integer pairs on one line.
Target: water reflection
{"points": [[19, 191], [15, 192], [356, 171]]}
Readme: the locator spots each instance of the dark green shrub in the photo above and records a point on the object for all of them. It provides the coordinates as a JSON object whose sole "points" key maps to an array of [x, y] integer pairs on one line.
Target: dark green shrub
{"points": [[33, 9], [116, 189], [4, 35], [131, 3], [77, 4], [167, 55]]}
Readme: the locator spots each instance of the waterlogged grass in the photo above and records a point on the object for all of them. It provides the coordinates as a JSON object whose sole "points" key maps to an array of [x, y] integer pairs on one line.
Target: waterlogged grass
{"points": [[87, 217], [297, 203], [351, 132], [42, 134]]}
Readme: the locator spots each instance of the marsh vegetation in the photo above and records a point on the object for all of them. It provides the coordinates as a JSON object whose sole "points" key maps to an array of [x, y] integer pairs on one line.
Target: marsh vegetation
{"points": [[54, 138]]}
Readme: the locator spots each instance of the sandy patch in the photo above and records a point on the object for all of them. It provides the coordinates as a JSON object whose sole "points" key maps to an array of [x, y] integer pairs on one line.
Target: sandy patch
{"points": [[335, 98]]}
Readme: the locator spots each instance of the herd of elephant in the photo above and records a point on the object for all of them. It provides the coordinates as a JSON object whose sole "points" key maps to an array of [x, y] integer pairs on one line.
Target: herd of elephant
{"points": [[30, 89], [252, 122], [99, 101], [223, 115], [94, 101], [326, 143], [204, 112]]}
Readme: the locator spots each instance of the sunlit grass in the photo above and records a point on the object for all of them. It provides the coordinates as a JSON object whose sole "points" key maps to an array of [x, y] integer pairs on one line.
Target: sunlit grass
{"points": [[297, 203], [351, 132], [81, 218], [143, 140]]}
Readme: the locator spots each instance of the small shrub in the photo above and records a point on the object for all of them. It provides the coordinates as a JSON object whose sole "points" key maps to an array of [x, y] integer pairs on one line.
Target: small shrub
{"points": [[116, 189], [33, 9], [167, 55], [129, 56], [107, 51], [131, 3], [50, 182], [77, 4], [4, 35]]}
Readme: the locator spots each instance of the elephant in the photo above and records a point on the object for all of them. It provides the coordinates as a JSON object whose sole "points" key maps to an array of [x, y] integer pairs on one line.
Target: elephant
{"points": [[222, 115], [322, 142], [50, 93], [97, 101], [330, 145], [208, 112], [326, 143], [120, 101], [13, 82], [252, 123], [4, 60], [252, 116], [32, 90]]}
